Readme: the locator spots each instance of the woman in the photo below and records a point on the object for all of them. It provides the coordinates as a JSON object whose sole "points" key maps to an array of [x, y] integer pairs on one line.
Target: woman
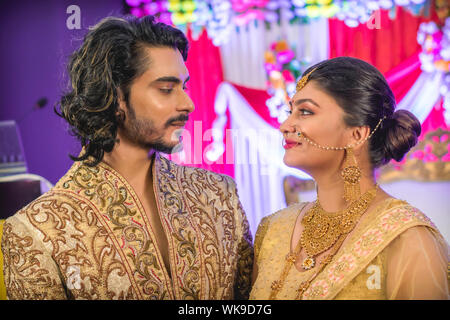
{"points": [[355, 241]]}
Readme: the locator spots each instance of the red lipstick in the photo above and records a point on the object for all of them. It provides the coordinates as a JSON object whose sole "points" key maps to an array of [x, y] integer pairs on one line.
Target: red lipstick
{"points": [[290, 144]]}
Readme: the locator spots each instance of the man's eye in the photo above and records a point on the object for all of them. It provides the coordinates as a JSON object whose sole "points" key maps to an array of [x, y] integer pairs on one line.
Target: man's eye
{"points": [[166, 90]]}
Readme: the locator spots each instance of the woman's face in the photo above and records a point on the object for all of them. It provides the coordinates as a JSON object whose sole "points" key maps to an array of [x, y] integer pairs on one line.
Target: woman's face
{"points": [[318, 116]]}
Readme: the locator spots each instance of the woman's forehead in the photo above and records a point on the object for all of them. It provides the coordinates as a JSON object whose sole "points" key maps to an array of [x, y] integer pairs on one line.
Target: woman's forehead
{"points": [[312, 92]]}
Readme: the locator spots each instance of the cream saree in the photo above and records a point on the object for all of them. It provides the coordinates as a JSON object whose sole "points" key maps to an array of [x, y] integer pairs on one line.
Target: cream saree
{"points": [[89, 238], [395, 253]]}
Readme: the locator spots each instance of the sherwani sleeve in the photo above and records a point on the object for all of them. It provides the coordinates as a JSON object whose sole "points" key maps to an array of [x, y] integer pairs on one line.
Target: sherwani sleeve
{"points": [[30, 273], [245, 250]]}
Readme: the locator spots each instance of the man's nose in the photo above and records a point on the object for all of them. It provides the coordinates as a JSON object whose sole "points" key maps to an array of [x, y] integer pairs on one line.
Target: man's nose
{"points": [[186, 105]]}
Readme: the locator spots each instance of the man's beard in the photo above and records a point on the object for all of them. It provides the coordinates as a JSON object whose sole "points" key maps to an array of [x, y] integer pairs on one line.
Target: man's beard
{"points": [[137, 131]]}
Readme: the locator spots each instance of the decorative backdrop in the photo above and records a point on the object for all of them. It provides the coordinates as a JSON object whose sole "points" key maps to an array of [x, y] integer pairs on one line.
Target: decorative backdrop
{"points": [[238, 86], [409, 49]]}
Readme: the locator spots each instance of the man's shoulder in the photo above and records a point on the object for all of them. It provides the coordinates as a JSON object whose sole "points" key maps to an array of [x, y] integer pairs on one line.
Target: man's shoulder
{"points": [[52, 205], [21, 217]]}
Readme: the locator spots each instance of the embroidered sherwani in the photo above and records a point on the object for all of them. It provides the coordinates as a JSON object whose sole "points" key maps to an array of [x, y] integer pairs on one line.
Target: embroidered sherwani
{"points": [[396, 252], [89, 238]]}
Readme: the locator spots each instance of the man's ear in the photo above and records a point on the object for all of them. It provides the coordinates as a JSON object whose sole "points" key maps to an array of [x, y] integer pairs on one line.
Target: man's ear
{"points": [[121, 99], [121, 110]]}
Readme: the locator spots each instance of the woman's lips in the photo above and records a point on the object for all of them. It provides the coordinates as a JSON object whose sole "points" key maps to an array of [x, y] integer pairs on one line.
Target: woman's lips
{"points": [[291, 144]]}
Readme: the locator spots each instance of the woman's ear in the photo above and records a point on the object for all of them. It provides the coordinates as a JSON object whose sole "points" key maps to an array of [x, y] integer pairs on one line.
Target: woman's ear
{"points": [[359, 134]]}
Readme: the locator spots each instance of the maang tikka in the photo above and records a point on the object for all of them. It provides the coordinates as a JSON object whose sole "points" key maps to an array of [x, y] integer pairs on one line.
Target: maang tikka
{"points": [[304, 80]]}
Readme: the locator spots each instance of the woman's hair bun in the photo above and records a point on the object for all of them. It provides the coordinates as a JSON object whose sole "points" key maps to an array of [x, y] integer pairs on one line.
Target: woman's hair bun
{"points": [[402, 132]]}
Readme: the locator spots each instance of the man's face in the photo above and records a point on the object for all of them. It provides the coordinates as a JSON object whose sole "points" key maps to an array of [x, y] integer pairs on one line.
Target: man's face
{"points": [[158, 105]]}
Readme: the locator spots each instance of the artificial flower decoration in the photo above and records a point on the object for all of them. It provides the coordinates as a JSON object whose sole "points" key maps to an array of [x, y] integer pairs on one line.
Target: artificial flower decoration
{"points": [[435, 56], [220, 16], [282, 70]]}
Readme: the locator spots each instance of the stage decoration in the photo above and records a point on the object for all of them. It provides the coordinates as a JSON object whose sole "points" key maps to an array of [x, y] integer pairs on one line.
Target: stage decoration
{"points": [[283, 70], [429, 100], [158, 8], [435, 56], [219, 16], [428, 161], [293, 186]]}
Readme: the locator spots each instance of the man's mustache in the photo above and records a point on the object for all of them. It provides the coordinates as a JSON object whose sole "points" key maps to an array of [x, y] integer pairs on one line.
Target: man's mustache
{"points": [[179, 118]]}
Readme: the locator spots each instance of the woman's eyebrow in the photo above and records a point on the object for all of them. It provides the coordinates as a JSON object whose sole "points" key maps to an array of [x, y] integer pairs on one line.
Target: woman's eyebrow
{"points": [[300, 101]]}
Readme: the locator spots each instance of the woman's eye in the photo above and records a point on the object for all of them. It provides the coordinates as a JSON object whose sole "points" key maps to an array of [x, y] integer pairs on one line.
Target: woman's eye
{"points": [[305, 112]]}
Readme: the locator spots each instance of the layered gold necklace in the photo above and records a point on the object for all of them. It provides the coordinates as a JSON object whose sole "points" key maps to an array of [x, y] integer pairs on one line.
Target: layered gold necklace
{"points": [[321, 231]]}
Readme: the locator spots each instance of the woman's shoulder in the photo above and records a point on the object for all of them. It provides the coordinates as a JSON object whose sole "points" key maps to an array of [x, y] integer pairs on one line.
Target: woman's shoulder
{"points": [[403, 211], [287, 213], [396, 217]]}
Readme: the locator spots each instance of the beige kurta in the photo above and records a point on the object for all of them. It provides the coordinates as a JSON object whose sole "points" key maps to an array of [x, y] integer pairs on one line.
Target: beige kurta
{"points": [[89, 238], [394, 253]]}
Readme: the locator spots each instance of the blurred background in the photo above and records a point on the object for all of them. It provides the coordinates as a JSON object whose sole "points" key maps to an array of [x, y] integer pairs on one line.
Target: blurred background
{"points": [[245, 57]]}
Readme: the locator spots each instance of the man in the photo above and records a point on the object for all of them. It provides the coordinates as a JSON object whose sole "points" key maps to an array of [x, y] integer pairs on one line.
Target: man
{"points": [[125, 222]]}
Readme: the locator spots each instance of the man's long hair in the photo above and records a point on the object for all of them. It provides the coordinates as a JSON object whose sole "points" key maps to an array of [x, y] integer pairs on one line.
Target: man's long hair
{"points": [[111, 57]]}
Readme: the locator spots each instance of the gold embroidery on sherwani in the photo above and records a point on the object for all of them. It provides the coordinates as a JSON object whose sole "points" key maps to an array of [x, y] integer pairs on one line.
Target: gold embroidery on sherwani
{"points": [[25, 262], [113, 197], [176, 223], [89, 238], [193, 202]]}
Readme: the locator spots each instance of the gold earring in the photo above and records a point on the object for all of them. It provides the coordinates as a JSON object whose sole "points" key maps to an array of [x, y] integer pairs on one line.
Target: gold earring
{"points": [[351, 174]]}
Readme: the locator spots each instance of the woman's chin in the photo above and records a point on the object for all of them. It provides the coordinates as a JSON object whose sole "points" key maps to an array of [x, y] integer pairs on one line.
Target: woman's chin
{"points": [[291, 161]]}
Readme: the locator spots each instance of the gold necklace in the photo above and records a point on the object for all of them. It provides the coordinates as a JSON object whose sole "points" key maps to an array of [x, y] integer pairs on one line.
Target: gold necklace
{"points": [[322, 230]]}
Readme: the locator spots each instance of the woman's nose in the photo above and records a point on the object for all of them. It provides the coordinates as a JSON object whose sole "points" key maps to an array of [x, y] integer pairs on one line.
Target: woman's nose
{"points": [[287, 127]]}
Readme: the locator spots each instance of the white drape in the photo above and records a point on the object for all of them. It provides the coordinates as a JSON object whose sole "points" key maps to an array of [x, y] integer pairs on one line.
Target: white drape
{"points": [[423, 95], [243, 55]]}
